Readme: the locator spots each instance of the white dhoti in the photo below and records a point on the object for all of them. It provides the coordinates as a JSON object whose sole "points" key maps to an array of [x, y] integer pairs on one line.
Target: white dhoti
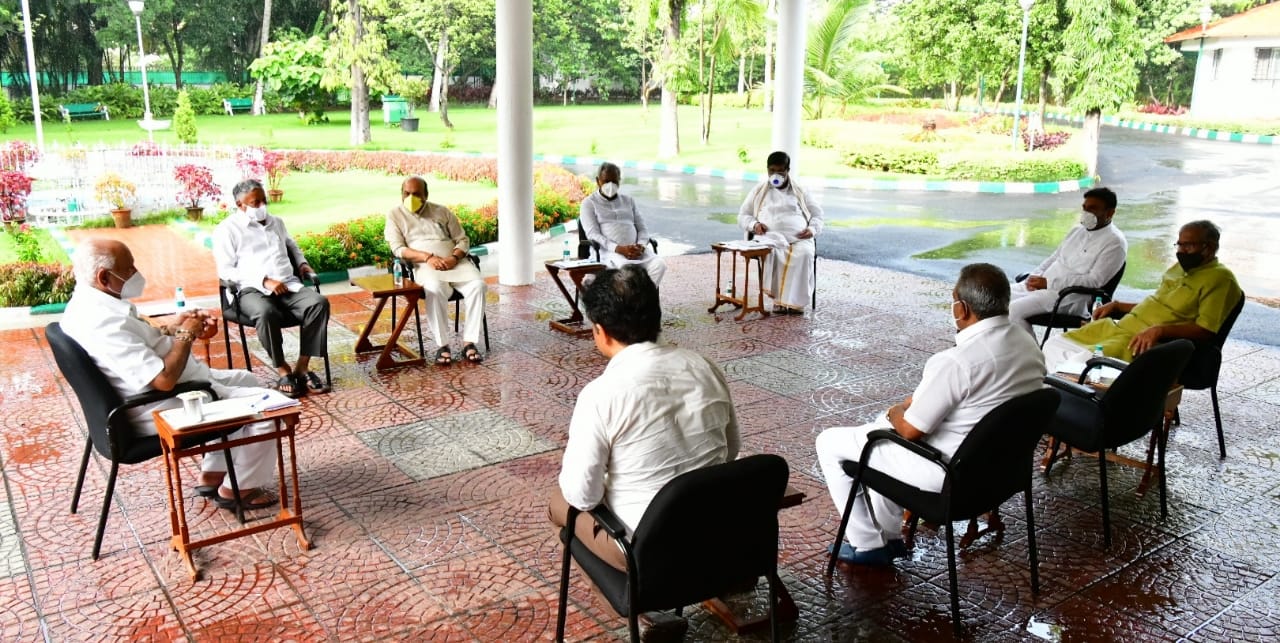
{"points": [[874, 519], [439, 286], [788, 272], [650, 262], [1059, 349]]}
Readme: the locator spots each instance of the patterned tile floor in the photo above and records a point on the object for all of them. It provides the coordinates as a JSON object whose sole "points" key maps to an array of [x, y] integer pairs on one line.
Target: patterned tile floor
{"points": [[425, 490]]}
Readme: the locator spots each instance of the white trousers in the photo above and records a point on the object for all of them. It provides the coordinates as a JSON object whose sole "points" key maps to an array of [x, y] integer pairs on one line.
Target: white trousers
{"points": [[652, 263], [437, 308], [1059, 349], [874, 519]]}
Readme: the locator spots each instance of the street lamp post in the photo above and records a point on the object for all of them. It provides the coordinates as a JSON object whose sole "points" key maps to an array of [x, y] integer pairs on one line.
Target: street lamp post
{"points": [[136, 7], [1022, 61]]}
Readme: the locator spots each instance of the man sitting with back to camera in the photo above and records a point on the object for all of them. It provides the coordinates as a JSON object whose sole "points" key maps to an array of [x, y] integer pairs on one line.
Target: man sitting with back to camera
{"points": [[656, 412], [992, 362]]}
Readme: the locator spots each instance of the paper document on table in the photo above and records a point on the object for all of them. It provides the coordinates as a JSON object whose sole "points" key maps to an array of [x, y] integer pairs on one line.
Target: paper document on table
{"points": [[214, 412], [273, 400], [742, 244], [574, 263], [1102, 374]]}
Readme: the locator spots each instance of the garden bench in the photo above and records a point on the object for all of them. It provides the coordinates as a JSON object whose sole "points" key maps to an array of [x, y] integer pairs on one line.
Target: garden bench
{"points": [[230, 105], [83, 110]]}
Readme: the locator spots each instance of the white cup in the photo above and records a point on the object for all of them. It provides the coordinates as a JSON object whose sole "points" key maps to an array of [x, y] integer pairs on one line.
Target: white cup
{"points": [[193, 404]]}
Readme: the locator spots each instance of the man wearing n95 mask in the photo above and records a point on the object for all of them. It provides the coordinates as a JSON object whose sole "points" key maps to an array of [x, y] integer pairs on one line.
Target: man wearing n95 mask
{"points": [[612, 222], [785, 218]]}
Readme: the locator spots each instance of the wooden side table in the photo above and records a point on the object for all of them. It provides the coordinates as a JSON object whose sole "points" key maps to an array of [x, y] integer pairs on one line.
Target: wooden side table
{"points": [[290, 514], [748, 255], [577, 271], [383, 288]]}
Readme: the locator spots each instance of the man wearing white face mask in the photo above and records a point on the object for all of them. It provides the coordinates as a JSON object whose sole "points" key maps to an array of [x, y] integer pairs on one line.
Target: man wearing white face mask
{"points": [[782, 216], [431, 237], [253, 249], [137, 357], [612, 222], [1089, 256], [991, 363]]}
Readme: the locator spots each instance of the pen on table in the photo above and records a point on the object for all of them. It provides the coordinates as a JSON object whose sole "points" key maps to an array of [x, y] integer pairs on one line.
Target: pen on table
{"points": [[257, 404]]}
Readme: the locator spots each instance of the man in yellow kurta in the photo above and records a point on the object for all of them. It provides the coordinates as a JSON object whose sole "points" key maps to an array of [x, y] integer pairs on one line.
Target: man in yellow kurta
{"points": [[1193, 301], [431, 237]]}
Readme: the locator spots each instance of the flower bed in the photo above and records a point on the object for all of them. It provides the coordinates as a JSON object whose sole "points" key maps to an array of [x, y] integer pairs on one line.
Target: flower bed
{"points": [[33, 284]]}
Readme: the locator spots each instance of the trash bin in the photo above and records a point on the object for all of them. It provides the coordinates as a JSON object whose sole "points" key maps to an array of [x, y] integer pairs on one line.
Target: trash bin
{"points": [[393, 109]]}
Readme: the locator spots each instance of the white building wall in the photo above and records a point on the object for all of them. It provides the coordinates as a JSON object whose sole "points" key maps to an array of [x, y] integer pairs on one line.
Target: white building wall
{"points": [[1232, 93]]}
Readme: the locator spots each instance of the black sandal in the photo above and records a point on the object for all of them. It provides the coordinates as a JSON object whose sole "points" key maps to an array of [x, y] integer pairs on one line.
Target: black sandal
{"points": [[444, 356], [291, 386], [315, 384], [471, 353]]}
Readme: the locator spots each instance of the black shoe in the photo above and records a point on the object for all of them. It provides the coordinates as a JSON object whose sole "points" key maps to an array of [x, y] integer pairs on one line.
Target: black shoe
{"points": [[662, 627]]}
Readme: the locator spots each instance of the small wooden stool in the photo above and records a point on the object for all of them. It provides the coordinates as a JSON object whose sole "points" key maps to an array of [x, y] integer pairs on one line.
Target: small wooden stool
{"points": [[756, 253]]}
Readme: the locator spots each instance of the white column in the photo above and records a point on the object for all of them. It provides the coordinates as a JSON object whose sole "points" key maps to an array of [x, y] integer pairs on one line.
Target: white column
{"points": [[515, 141], [788, 90], [33, 76]]}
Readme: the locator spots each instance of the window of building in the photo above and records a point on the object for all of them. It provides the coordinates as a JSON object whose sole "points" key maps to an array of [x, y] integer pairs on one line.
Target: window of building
{"points": [[1217, 59], [1267, 64]]}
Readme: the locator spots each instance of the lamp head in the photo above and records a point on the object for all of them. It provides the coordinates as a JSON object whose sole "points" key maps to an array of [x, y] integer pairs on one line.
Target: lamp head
{"points": [[1206, 14], [136, 7], [1026, 4]]}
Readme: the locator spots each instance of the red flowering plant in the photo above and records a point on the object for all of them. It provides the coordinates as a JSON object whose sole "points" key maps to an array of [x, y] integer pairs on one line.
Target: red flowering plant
{"points": [[18, 156], [276, 166], [146, 148], [249, 161], [195, 182], [14, 188]]}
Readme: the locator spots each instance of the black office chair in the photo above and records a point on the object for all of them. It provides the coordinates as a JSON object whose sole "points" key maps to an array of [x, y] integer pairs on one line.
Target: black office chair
{"points": [[1202, 371], [586, 246], [1130, 408], [229, 296], [814, 304], [706, 533], [993, 463], [406, 268], [110, 430], [1066, 321]]}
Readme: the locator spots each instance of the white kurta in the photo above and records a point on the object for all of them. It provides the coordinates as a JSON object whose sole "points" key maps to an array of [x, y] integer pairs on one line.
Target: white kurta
{"points": [[1088, 258], [993, 361], [439, 232], [248, 252], [130, 352], [788, 276], [617, 222]]}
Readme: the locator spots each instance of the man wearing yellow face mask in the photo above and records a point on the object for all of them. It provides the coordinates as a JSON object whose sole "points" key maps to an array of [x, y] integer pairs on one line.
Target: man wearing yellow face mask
{"points": [[431, 237]]}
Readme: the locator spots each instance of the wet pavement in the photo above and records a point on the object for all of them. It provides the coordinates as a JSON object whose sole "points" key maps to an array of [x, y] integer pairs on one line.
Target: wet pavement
{"points": [[424, 493]]}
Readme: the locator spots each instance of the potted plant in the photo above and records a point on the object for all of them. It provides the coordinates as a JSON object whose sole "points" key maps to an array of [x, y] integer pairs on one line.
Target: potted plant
{"points": [[114, 189], [276, 166], [195, 182], [414, 91], [14, 188]]}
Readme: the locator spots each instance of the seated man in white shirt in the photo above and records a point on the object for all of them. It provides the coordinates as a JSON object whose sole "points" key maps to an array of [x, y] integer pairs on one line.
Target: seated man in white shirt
{"points": [[612, 222], [137, 357], [253, 249], [656, 412], [783, 217], [1089, 256], [431, 237], [993, 361]]}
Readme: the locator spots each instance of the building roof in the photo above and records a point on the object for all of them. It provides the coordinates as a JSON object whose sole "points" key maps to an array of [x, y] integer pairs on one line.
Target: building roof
{"points": [[1263, 21]]}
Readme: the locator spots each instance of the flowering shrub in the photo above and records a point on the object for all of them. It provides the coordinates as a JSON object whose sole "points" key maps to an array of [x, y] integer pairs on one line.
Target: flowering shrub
{"points": [[1046, 141], [195, 182], [276, 166], [114, 189], [146, 148], [249, 161], [32, 284], [27, 245], [17, 156], [1156, 107], [347, 244], [14, 188], [480, 224]]}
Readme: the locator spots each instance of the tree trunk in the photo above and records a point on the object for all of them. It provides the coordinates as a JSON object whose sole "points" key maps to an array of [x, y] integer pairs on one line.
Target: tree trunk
{"points": [[258, 106], [703, 82], [644, 86], [360, 132], [669, 134], [493, 94], [1092, 133], [1044, 92], [438, 80], [742, 74], [770, 29], [711, 96], [444, 96]]}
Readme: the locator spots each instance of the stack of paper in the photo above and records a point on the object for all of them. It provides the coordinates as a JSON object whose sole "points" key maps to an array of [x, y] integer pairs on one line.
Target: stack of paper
{"points": [[274, 400], [574, 263], [742, 244], [214, 412]]}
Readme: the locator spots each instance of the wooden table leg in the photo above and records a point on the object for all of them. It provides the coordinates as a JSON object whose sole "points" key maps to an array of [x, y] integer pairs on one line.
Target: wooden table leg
{"points": [[297, 497], [786, 613]]}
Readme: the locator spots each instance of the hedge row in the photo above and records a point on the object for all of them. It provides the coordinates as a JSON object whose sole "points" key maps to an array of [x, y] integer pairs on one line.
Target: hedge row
{"points": [[921, 160], [33, 284]]}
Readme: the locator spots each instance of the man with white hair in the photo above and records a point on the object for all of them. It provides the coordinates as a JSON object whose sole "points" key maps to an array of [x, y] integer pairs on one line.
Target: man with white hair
{"points": [[137, 357], [611, 220]]}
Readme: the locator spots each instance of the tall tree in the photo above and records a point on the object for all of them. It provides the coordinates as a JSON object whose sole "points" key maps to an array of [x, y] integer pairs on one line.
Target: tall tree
{"points": [[264, 38], [452, 32], [716, 20], [356, 58]]}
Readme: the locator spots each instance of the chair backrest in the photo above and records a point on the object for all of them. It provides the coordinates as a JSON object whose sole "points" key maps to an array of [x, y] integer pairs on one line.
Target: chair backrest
{"points": [[1202, 371], [1114, 282], [584, 244], [97, 396], [994, 461], [709, 530], [1134, 403]]}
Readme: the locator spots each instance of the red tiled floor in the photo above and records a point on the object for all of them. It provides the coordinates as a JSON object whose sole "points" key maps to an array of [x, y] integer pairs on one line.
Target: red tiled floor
{"points": [[470, 556]]}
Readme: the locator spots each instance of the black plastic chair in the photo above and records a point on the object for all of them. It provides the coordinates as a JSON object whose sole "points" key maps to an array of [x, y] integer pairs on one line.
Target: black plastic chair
{"points": [[1130, 408], [1065, 321], [991, 465], [110, 430], [587, 246], [229, 296], [406, 268], [814, 304], [1202, 371], [706, 533]]}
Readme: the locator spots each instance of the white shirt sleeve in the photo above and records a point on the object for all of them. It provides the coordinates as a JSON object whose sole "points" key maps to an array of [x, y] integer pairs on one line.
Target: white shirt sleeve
{"points": [[586, 455], [747, 213], [815, 214], [942, 387], [589, 219]]}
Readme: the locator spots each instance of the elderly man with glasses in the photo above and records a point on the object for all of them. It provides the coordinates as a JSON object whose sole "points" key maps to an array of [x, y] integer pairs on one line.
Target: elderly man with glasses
{"points": [[1194, 299]]}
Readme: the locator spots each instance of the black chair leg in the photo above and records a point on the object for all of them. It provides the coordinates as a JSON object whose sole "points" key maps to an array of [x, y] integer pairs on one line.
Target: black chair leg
{"points": [[633, 624], [774, 581], [457, 314], [563, 610], [1217, 419], [106, 509], [226, 342], [84, 466], [1031, 541], [1053, 455], [328, 377], [951, 574], [417, 324], [484, 321], [844, 524], [235, 484], [1106, 503], [1161, 443], [244, 346]]}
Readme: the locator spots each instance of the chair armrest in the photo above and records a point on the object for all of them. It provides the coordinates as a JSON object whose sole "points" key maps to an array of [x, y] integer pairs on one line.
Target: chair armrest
{"points": [[1072, 388], [150, 397], [1021, 277], [1084, 290], [612, 525], [919, 448], [1117, 364]]}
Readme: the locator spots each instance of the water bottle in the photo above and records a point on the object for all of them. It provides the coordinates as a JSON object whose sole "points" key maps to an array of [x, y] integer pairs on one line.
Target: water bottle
{"points": [[728, 286], [179, 299], [397, 274], [565, 256], [1097, 302], [1095, 375], [1097, 350]]}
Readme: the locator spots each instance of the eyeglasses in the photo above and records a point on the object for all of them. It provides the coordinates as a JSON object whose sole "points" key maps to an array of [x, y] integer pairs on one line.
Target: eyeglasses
{"points": [[1183, 245]]}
